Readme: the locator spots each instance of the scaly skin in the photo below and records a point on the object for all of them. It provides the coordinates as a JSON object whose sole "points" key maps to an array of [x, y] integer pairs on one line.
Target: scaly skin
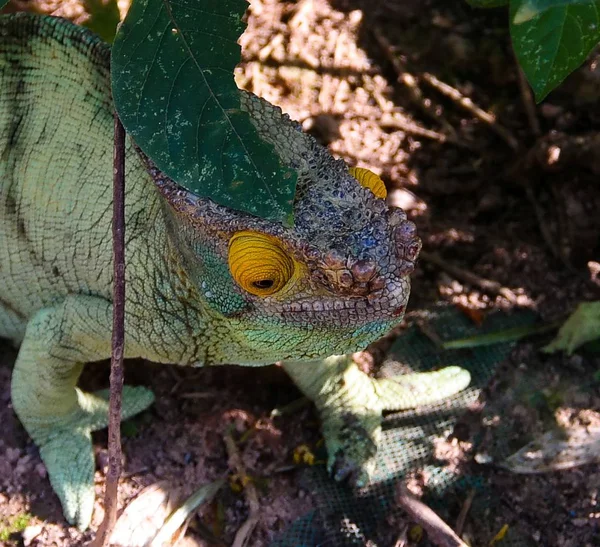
{"points": [[352, 257]]}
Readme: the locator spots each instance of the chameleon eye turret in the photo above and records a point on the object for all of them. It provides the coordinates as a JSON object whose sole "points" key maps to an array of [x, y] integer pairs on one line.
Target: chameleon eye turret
{"points": [[370, 180], [258, 263]]}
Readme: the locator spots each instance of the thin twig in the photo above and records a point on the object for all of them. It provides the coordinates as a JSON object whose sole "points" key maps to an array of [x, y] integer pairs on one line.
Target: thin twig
{"points": [[242, 537], [411, 83], [402, 540], [467, 104], [527, 100], [427, 329], [487, 285], [437, 530], [541, 219], [410, 128], [118, 340], [563, 230], [462, 517]]}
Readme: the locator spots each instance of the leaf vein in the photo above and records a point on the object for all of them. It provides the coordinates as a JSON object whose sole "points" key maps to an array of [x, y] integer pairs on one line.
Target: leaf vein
{"points": [[233, 129]]}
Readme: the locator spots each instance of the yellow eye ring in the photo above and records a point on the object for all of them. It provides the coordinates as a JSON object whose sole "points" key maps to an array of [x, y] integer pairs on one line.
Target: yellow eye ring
{"points": [[370, 180], [258, 263]]}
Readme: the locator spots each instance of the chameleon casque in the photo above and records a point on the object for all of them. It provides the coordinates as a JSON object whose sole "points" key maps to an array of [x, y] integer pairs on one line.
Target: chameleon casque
{"points": [[206, 285]]}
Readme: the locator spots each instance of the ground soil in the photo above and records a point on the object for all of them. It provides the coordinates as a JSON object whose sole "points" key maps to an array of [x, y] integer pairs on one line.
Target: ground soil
{"points": [[513, 200]]}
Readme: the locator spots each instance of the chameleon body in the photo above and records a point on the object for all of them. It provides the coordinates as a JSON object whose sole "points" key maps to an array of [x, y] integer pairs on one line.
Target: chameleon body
{"points": [[206, 285]]}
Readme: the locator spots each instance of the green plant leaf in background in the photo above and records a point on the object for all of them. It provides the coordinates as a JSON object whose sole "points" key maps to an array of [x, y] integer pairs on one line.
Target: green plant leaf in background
{"points": [[104, 18], [551, 38], [582, 326], [173, 88], [3, 3]]}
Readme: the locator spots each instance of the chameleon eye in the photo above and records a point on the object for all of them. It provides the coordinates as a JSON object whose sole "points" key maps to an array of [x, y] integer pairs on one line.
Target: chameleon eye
{"points": [[370, 180], [258, 264]]}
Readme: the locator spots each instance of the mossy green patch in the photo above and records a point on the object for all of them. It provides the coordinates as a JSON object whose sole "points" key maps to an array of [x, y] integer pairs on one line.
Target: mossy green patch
{"points": [[13, 525]]}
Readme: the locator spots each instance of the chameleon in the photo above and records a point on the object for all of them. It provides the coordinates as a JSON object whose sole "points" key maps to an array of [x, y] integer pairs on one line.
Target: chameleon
{"points": [[206, 285]]}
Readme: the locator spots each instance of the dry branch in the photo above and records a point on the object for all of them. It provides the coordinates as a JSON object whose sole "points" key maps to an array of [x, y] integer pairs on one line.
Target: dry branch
{"points": [[118, 340], [438, 531]]}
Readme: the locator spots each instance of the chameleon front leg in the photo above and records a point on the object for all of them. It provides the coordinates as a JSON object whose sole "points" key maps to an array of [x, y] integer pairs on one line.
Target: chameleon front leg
{"points": [[350, 404], [58, 416]]}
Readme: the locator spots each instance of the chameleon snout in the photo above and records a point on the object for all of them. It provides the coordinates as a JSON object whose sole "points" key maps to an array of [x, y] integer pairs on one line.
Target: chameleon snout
{"points": [[352, 277]]}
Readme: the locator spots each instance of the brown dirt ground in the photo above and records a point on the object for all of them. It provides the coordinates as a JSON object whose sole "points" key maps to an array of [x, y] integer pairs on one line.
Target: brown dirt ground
{"points": [[514, 201]]}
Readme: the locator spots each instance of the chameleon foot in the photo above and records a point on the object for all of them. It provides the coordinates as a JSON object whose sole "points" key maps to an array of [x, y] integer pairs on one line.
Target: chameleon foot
{"points": [[58, 416], [66, 448], [351, 405]]}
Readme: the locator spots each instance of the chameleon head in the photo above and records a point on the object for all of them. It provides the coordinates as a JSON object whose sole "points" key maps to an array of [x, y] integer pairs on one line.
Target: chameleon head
{"points": [[332, 283]]}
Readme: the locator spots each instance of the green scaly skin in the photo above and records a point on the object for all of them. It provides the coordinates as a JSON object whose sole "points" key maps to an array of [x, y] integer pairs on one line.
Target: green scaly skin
{"points": [[183, 306]]}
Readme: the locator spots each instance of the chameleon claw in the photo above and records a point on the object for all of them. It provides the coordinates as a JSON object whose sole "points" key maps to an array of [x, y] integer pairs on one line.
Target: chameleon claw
{"points": [[349, 472], [342, 469]]}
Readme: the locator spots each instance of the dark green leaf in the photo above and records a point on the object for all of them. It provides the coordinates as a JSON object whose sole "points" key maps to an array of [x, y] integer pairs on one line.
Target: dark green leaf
{"points": [[551, 38], [487, 3], [173, 87], [3, 3]]}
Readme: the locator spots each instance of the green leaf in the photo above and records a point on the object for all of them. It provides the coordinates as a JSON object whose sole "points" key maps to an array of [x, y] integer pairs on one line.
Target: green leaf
{"points": [[487, 3], [529, 9], [104, 18], [3, 3], [551, 38], [582, 326], [173, 87], [498, 337]]}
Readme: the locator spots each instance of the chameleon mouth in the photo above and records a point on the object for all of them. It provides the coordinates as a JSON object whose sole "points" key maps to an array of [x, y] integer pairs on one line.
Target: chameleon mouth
{"points": [[331, 311]]}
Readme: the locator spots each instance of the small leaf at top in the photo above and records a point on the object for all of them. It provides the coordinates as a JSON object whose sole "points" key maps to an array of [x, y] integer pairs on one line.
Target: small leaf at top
{"points": [[552, 38], [3, 3], [173, 88]]}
